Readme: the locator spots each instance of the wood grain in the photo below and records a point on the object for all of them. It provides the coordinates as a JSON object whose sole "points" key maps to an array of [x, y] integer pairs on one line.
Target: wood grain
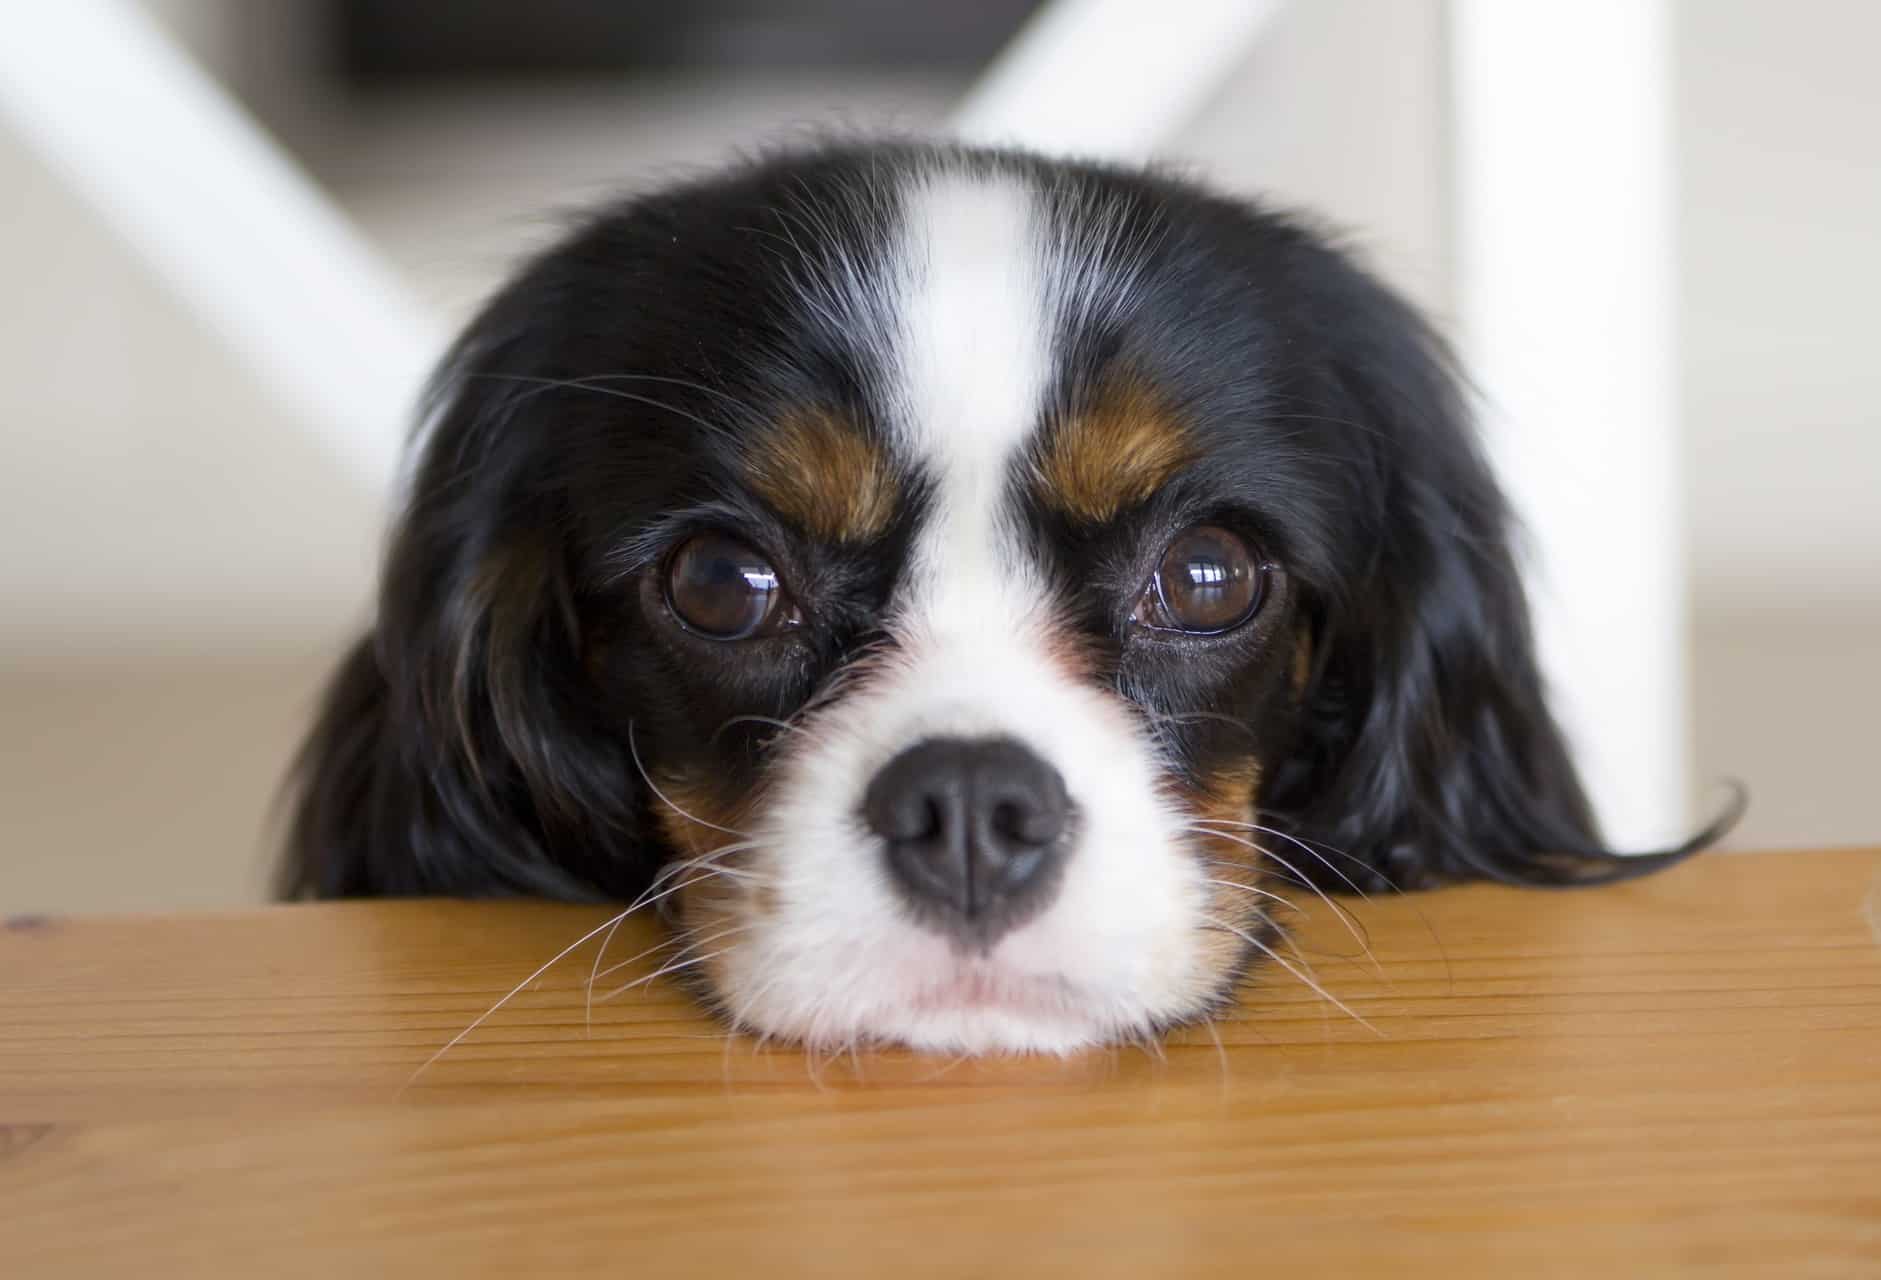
{"points": [[1676, 1075]]}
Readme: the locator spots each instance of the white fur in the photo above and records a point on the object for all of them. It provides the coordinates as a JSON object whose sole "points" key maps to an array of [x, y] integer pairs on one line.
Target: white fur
{"points": [[975, 295]]}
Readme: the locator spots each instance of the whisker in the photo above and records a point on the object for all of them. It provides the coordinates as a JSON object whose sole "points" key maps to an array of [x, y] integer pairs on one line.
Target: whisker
{"points": [[580, 384], [1280, 960], [591, 380], [709, 858], [944, 1068], [678, 938], [1221, 1051], [1193, 717], [1323, 849], [706, 862], [597, 973], [783, 725], [485, 1015], [713, 870], [648, 897], [1345, 915], [587, 1009], [811, 1066], [1308, 849], [1429, 928], [672, 966], [634, 750], [1210, 826], [1236, 884]]}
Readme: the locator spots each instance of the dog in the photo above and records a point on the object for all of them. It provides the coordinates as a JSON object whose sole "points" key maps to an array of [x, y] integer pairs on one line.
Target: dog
{"points": [[963, 588]]}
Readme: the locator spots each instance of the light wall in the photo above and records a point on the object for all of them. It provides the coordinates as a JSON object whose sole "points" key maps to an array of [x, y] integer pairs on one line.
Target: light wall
{"points": [[1780, 261], [152, 499]]}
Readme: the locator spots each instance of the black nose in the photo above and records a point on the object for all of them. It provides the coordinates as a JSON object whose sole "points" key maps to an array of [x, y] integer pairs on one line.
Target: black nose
{"points": [[974, 831]]}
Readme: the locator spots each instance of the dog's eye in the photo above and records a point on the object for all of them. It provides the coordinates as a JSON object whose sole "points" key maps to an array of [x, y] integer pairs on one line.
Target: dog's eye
{"points": [[1209, 581], [721, 588]]}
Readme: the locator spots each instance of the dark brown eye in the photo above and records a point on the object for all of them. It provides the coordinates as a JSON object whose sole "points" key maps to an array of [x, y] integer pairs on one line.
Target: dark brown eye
{"points": [[721, 588], [1208, 582]]}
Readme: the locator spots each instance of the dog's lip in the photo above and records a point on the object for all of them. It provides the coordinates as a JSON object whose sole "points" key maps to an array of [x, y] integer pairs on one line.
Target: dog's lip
{"points": [[983, 986]]}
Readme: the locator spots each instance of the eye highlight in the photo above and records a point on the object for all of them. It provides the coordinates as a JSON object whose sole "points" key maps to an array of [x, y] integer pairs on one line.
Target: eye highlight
{"points": [[722, 589], [1208, 581]]}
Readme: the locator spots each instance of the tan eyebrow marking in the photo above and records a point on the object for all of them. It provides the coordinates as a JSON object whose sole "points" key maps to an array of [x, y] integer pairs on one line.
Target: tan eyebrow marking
{"points": [[821, 471], [1115, 451]]}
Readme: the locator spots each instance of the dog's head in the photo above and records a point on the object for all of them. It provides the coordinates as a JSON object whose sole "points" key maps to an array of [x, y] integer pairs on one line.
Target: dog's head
{"points": [[965, 587]]}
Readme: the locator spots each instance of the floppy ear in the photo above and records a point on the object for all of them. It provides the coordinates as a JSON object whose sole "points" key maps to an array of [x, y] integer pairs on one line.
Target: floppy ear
{"points": [[459, 750], [1428, 752]]}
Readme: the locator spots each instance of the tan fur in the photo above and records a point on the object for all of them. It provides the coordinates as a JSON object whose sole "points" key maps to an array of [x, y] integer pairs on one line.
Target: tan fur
{"points": [[1229, 795], [708, 902], [1302, 663], [707, 821], [1075, 657], [1114, 452], [821, 471]]}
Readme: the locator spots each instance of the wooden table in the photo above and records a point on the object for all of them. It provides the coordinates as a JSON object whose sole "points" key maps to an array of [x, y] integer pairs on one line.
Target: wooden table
{"points": [[1676, 1074]]}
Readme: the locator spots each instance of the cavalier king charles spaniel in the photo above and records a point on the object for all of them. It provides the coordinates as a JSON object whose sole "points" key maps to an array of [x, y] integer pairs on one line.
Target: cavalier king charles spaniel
{"points": [[964, 588]]}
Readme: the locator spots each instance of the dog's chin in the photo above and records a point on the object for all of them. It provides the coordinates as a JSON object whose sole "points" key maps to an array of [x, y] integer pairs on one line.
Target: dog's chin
{"points": [[978, 1009], [974, 1011], [918, 992]]}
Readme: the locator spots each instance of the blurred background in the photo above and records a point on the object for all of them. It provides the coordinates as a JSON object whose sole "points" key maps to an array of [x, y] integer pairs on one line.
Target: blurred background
{"points": [[180, 560]]}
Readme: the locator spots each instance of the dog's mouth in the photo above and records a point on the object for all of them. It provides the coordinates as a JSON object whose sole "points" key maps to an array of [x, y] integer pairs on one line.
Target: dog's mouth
{"points": [[976, 1007], [975, 986]]}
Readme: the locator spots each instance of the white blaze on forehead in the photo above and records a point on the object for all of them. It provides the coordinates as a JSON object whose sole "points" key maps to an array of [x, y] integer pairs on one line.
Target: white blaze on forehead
{"points": [[966, 303], [972, 360]]}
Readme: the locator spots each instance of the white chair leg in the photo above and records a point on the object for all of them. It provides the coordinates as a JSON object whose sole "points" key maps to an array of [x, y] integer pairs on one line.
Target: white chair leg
{"points": [[1563, 175]]}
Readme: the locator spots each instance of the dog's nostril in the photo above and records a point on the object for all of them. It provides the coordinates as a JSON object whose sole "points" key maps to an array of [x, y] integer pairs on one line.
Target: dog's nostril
{"points": [[1016, 822], [972, 828], [1036, 816], [932, 823]]}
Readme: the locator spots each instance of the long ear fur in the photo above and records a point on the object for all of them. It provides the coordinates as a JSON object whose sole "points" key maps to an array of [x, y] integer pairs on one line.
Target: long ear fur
{"points": [[459, 748], [1429, 753]]}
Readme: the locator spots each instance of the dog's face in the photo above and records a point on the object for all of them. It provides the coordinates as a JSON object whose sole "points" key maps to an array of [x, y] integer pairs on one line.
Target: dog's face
{"points": [[965, 588]]}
